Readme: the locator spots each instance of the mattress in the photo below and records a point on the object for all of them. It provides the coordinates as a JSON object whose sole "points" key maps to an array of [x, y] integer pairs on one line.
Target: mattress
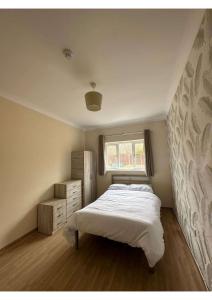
{"points": [[127, 216]]}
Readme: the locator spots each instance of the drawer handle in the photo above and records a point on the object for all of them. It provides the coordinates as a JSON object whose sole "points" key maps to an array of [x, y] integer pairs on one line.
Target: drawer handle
{"points": [[59, 223], [60, 215], [59, 207]]}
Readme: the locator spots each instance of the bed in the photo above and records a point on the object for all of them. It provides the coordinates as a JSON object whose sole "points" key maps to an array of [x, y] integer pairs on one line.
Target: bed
{"points": [[128, 212]]}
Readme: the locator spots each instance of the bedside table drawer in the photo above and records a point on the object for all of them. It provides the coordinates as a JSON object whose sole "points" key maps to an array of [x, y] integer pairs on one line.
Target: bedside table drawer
{"points": [[59, 210], [51, 215], [70, 211], [59, 214], [76, 199], [72, 192], [76, 206], [58, 223], [72, 207]]}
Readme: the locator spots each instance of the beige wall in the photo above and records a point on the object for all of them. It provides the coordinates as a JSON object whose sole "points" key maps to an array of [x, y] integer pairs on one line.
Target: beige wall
{"points": [[35, 152], [161, 181], [190, 140]]}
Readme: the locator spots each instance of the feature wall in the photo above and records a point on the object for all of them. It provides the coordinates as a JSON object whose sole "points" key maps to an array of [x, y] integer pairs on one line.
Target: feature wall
{"points": [[190, 141]]}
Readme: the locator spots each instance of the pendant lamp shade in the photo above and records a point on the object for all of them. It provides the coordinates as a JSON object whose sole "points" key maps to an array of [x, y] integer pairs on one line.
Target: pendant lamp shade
{"points": [[93, 99]]}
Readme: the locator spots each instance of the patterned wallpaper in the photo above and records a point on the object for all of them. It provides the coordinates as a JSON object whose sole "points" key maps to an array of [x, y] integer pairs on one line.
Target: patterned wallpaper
{"points": [[190, 141]]}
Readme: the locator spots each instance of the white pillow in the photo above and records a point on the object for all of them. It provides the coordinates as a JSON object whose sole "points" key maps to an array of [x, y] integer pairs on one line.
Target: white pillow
{"points": [[141, 187], [118, 186]]}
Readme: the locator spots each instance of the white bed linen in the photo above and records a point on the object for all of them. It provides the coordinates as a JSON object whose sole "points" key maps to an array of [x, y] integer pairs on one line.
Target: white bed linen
{"points": [[131, 217]]}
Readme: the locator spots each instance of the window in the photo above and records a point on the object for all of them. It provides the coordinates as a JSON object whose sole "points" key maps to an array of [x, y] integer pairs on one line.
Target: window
{"points": [[126, 155]]}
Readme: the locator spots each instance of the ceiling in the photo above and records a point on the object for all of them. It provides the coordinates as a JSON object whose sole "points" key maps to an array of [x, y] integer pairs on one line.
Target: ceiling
{"points": [[135, 57]]}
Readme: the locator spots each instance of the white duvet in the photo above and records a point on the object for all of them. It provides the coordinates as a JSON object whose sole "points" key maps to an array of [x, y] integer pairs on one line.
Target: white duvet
{"points": [[131, 217]]}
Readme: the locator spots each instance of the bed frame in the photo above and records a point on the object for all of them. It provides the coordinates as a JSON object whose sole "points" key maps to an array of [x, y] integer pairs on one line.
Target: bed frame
{"points": [[151, 270], [123, 179], [131, 179]]}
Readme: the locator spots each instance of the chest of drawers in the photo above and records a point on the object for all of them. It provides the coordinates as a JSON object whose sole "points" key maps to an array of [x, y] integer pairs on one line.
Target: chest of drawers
{"points": [[52, 215], [67, 189], [72, 191]]}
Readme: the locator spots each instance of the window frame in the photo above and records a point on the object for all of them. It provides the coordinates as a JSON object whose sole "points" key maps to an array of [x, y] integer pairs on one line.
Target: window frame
{"points": [[117, 143]]}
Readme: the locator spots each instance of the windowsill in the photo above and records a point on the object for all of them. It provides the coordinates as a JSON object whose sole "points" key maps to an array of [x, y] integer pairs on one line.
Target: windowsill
{"points": [[142, 172]]}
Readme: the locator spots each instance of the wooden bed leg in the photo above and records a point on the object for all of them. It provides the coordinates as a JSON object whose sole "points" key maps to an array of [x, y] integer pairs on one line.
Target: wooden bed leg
{"points": [[152, 270], [76, 240]]}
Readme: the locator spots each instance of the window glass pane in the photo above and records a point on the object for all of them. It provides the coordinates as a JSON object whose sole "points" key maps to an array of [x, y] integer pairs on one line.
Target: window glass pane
{"points": [[125, 156], [112, 156], [139, 156]]}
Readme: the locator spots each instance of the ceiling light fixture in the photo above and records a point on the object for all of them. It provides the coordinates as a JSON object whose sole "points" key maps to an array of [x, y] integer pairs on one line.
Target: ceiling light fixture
{"points": [[93, 99]]}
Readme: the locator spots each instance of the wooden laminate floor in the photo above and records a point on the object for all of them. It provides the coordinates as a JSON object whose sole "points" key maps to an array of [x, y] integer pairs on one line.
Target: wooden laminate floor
{"points": [[40, 263]]}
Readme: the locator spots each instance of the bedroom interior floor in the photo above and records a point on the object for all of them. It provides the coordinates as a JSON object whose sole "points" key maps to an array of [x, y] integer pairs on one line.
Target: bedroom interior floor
{"points": [[40, 263]]}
